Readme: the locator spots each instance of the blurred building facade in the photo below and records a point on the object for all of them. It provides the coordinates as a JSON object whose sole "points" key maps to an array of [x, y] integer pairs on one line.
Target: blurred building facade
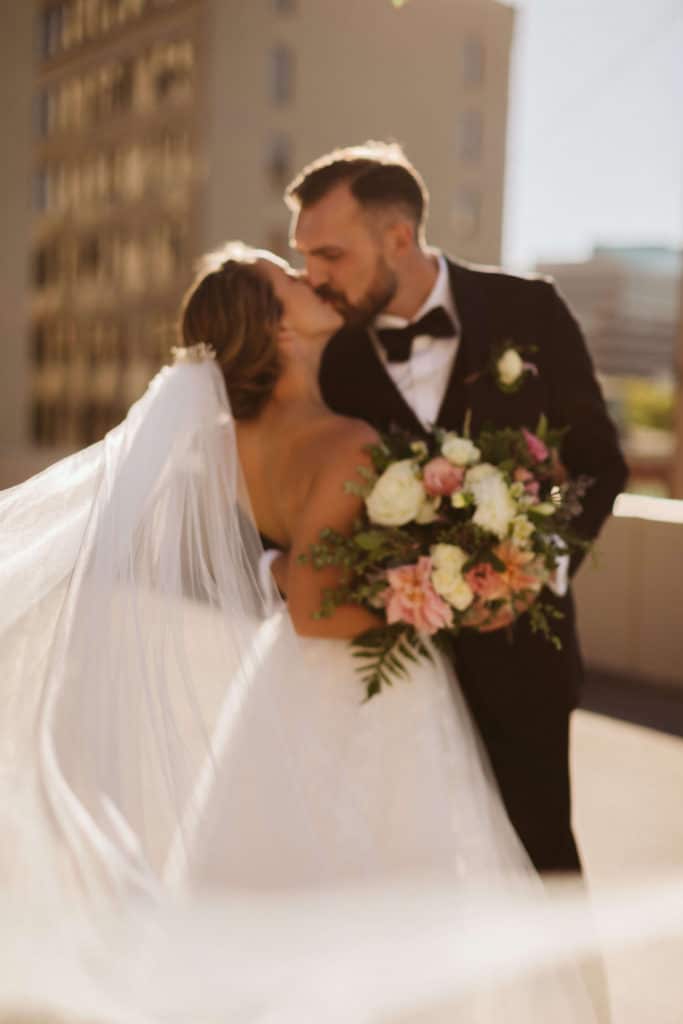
{"points": [[627, 301], [163, 127], [114, 183]]}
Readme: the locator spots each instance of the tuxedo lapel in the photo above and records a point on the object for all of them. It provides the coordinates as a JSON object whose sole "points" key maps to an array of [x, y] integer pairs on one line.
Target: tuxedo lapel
{"points": [[473, 346], [485, 323], [355, 382]]}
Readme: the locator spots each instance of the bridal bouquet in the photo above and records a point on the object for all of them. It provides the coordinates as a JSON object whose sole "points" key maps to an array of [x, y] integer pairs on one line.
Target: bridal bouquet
{"points": [[455, 534]]}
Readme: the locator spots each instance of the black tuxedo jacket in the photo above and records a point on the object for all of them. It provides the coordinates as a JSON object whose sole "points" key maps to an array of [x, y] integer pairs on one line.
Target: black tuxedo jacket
{"points": [[526, 677]]}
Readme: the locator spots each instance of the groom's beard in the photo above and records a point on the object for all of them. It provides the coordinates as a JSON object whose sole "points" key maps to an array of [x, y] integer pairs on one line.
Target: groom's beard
{"points": [[381, 291]]}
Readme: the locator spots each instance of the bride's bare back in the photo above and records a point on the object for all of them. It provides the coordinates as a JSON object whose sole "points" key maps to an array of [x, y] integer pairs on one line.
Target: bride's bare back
{"points": [[296, 461]]}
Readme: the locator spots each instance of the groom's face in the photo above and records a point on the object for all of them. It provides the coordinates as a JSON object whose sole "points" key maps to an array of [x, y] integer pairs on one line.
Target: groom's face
{"points": [[348, 258]]}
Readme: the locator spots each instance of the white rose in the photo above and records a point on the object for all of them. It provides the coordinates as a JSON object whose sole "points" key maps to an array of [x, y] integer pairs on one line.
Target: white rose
{"points": [[460, 450], [447, 579], [495, 508], [453, 589], [428, 510], [448, 557], [397, 496], [510, 367], [522, 531]]}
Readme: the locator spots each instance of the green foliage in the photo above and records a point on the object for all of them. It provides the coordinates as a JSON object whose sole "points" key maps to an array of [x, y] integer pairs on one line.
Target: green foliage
{"points": [[386, 654], [540, 614], [650, 403]]}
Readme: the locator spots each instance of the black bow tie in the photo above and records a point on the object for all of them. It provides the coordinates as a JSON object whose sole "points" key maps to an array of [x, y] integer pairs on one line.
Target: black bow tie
{"points": [[397, 342]]}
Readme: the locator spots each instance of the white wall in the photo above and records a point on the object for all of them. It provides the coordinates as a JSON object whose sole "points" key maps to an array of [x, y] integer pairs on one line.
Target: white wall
{"points": [[630, 597]]}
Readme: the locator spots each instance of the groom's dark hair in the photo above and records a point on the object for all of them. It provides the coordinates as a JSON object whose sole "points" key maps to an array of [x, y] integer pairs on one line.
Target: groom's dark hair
{"points": [[379, 174]]}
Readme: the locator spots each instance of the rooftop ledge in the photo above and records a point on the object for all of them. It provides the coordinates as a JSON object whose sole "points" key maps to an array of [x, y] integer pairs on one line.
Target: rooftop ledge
{"points": [[640, 506]]}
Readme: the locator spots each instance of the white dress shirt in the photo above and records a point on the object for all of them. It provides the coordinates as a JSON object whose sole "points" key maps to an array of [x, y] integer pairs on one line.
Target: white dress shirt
{"points": [[423, 379]]}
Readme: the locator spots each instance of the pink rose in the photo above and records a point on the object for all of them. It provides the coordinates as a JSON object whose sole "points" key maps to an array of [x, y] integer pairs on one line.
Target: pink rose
{"points": [[411, 598], [440, 476], [486, 583], [537, 448], [531, 484]]}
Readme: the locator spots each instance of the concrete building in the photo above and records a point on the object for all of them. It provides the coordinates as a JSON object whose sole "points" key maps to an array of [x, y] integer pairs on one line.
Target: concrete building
{"points": [[163, 127], [627, 301]]}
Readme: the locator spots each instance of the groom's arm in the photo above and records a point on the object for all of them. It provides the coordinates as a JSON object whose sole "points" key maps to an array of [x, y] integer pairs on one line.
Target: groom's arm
{"points": [[591, 445]]}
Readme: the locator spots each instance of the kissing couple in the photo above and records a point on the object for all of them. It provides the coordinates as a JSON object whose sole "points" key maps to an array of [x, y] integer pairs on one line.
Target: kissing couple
{"points": [[222, 736]]}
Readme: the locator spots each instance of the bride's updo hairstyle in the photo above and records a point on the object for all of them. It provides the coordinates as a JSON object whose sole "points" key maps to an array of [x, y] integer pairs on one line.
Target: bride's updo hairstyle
{"points": [[233, 308]]}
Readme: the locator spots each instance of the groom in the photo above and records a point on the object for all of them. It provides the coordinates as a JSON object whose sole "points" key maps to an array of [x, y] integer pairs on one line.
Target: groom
{"points": [[421, 344]]}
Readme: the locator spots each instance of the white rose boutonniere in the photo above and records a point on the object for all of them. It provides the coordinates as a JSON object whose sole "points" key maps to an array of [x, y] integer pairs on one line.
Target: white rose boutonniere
{"points": [[510, 368]]}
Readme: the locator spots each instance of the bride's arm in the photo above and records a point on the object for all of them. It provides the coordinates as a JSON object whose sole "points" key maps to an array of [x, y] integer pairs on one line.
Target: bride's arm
{"points": [[328, 505]]}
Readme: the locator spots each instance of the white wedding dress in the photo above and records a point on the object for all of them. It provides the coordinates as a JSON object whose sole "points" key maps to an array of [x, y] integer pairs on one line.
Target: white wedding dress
{"points": [[167, 738]]}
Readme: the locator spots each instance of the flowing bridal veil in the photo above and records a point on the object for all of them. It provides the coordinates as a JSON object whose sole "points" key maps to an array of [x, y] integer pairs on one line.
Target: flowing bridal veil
{"points": [[134, 627], [177, 840]]}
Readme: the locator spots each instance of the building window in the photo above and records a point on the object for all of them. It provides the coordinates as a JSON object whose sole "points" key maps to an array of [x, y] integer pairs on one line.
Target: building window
{"points": [[52, 27], [469, 135], [280, 161], [89, 257], [43, 113], [172, 67], [122, 86], [466, 213], [40, 190], [47, 265], [284, 6], [281, 74], [41, 271], [473, 62]]}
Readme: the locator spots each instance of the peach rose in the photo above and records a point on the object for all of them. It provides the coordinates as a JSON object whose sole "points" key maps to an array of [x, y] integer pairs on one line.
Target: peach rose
{"points": [[486, 583], [523, 569], [440, 476], [411, 598]]}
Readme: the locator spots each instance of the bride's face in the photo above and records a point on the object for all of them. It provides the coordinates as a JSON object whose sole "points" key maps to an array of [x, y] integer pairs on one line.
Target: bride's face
{"points": [[304, 313]]}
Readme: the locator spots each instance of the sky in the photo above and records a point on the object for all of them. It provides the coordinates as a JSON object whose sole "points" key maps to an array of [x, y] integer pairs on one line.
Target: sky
{"points": [[595, 146]]}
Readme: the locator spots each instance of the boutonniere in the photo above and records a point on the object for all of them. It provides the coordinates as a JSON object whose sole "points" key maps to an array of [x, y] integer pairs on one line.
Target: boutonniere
{"points": [[508, 366]]}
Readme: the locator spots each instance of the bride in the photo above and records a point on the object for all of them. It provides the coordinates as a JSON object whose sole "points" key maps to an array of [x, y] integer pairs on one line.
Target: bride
{"points": [[168, 722]]}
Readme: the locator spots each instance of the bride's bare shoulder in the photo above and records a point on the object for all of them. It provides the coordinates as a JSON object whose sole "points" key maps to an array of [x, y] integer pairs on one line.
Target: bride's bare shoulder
{"points": [[342, 443], [346, 432], [339, 450]]}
